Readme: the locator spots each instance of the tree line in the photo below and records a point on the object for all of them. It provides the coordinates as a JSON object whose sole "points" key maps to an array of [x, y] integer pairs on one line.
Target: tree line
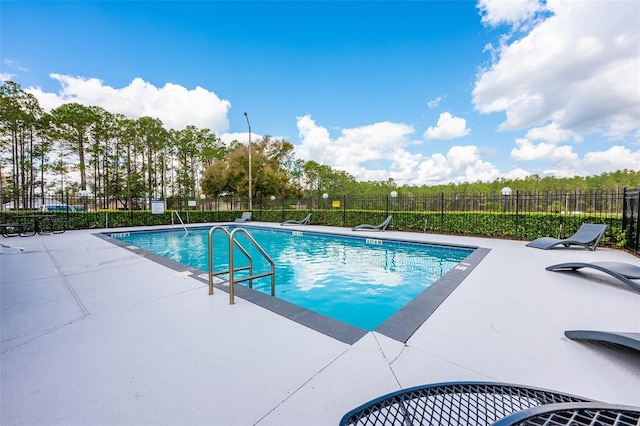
{"points": [[76, 148]]}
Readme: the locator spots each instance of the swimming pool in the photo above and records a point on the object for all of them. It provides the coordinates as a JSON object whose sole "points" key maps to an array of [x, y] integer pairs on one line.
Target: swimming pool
{"points": [[357, 280]]}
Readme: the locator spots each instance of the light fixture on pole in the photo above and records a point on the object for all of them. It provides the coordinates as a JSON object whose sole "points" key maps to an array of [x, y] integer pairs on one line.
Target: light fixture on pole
{"points": [[506, 191], [249, 125], [202, 197]]}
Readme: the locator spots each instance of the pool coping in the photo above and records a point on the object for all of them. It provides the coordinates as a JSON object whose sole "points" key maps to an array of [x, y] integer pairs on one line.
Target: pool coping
{"points": [[400, 326]]}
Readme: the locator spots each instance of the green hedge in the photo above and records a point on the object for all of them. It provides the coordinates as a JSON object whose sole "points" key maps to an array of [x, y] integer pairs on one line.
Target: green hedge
{"points": [[524, 227]]}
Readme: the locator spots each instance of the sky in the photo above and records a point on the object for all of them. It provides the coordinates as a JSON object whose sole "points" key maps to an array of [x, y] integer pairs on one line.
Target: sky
{"points": [[421, 92]]}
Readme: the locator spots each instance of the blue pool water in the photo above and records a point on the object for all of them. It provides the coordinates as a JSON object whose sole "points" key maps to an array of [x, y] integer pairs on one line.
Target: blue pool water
{"points": [[360, 281]]}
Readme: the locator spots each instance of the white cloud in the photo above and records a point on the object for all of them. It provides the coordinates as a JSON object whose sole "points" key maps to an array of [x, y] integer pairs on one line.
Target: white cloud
{"points": [[242, 137], [579, 68], [561, 173], [615, 158], [355, 150], [403, 166], [564, 162], [354, 146], [173, 104], [5, 76], [460, 164], [434, 102], [315, 140], [552, 133], [14, 64], [516, 173], [512, 12], [528, 151], [448, 127]]}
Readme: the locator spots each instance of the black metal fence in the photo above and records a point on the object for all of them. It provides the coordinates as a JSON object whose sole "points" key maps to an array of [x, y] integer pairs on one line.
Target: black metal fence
{"points": [[574, 202], [520, 215]]}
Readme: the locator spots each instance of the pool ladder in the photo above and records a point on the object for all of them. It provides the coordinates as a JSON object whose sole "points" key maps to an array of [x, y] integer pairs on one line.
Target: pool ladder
{"points": [[233, 242], [180, 219]]}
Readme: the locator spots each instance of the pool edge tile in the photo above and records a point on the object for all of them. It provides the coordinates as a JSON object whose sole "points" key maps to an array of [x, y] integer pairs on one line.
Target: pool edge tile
{"points": [[401, 325]]}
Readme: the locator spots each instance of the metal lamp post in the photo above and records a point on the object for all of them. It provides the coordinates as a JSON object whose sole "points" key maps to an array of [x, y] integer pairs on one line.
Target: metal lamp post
{"points": [[249, 125], [85, 194], [202, 197], [324, 198]]}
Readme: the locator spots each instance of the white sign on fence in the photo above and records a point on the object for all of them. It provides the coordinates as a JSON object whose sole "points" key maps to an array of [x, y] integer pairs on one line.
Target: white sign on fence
{"points": [[157, 206]]}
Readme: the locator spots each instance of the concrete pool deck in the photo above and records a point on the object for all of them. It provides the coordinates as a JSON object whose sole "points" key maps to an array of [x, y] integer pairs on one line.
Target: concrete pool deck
{"points": [[93, 334]]}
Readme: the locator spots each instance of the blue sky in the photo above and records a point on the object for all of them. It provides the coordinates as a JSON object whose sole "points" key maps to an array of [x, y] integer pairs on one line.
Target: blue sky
{"points": [[423, 92]]}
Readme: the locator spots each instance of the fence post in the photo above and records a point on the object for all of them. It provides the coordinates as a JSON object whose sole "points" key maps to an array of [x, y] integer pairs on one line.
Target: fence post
{"points": [[631, 204], [517, 210], [66, 202], [637, 230], [625, 225], [344, 210], [442, 212]]}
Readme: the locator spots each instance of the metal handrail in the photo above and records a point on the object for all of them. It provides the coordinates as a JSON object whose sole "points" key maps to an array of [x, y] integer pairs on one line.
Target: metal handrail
{"points": [[251, 277], [180, 219], [225, 271], [234, 243]]}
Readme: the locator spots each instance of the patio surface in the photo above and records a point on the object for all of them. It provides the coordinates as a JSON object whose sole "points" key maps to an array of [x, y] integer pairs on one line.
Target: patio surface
{"points": [[93, 334]]}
